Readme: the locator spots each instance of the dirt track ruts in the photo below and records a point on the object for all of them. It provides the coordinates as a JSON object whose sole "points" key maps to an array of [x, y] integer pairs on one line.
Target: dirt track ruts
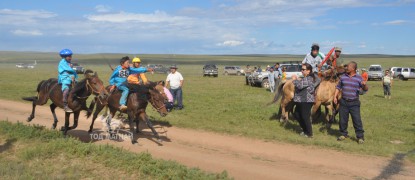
{"points": [[243, 158]]}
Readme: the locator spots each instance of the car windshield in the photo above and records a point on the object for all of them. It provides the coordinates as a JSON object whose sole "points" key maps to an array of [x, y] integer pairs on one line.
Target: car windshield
{"points": [[209, 66], [292, 68], [375, 69], [237, 68]]}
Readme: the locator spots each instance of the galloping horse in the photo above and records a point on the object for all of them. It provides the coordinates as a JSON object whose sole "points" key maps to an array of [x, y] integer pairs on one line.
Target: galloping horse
{"points": [[136, 106], [50, 89]]}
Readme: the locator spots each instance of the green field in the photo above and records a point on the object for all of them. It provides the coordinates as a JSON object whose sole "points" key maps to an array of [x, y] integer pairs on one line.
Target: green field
{"points": [[226, 105], [31, 152]]}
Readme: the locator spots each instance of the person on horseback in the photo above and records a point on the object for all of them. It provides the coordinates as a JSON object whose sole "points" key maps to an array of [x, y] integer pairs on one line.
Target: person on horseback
{"points": [[66, 76], [314, 58], [333, 60], [118, 79], [137, 78]]}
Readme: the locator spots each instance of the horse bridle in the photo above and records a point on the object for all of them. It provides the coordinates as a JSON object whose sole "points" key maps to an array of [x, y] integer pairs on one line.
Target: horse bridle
{"points": [[152, 101], [89, 86]]}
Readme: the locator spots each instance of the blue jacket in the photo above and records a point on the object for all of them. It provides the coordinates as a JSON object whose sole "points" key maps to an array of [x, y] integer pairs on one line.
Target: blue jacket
{"points": [[66, 72], [120, 75]]}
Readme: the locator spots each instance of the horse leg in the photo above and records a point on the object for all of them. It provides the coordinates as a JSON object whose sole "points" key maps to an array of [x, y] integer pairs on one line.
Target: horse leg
{"points": [[32, 116], [65, 128], [55, 119], [137, 123], [98, 109], [75, 120], [314, 110], [144, 116], [131, 117]]}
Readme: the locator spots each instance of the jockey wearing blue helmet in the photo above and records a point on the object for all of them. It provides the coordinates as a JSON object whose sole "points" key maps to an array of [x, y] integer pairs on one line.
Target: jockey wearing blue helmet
{"points": [[66, 76]]}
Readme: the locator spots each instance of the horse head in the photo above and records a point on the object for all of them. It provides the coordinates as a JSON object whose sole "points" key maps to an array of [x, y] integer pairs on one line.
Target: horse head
{"points": [[158, 87], [158, 102], [94, 84]]}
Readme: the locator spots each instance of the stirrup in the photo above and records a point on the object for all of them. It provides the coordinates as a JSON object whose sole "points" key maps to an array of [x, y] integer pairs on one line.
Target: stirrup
{"points": [[67, 109]]}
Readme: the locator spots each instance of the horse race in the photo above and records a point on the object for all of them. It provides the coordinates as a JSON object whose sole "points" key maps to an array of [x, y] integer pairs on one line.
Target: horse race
{"points": [[260, 89]]}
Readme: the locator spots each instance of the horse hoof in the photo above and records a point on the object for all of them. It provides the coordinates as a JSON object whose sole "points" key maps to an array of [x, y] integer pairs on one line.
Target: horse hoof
{"points": [[29, 119], [63, 128], [134, 142], [53, 126], [90, 131]]}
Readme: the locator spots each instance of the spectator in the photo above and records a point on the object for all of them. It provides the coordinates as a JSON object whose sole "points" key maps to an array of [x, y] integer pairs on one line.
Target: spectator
{"points": [[349, 85], [259, 69], [175, 81], [304, 98], [365, 75], [169, 103], [284, 75], [279, 74], [387, 81], [272, 77], [248, 72]]}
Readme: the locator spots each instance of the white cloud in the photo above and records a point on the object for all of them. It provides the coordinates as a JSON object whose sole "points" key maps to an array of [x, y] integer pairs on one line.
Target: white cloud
{"points": [[20, 32], [102, 8], [121, 17], [351, 22], [396, 22], [230, 43], [23, 17]]}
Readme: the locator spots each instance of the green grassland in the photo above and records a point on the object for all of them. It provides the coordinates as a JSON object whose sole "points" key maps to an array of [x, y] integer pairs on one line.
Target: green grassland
{"points": [[32, 152], [226, 105]]}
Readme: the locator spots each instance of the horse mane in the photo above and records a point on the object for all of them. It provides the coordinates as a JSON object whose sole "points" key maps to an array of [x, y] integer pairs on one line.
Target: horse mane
{"points": [[79, 86]]}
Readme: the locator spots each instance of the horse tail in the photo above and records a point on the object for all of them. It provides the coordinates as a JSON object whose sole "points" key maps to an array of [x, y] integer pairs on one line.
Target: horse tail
{"points": [[33, 98], [278, 94]]}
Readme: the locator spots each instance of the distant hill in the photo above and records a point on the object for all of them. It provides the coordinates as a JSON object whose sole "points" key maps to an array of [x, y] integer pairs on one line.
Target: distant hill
{"points": [[103, 58]]}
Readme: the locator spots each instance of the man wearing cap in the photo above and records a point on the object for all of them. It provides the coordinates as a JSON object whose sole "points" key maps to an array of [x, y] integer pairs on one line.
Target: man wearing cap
{"points": [[175, 81], [334, 58], [314, 58]]}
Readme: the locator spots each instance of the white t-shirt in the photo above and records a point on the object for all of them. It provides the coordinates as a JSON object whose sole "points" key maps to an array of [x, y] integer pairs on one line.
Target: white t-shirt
{"points": [[174, 80]]}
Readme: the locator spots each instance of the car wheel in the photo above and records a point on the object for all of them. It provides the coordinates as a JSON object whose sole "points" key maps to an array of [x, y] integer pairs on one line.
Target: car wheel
{"points": [[215, 75], [226, 73], [238, 73], [265, 83], [401, 77]]}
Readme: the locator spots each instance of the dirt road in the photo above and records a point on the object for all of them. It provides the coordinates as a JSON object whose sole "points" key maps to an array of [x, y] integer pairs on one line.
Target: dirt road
{"points": [[243, 158]]}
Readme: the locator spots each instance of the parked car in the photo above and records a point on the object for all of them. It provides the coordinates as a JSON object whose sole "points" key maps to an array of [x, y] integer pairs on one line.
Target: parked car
{"points": [[78, 68], [395, 71], [159, 69], [261, 78], [233, 70], [375, 72], [210, 70], [407, 73]]}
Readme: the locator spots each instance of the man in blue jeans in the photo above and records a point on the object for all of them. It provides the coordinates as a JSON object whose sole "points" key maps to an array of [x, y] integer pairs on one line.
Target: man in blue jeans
{"points": [[175, 81], [350, 84]]}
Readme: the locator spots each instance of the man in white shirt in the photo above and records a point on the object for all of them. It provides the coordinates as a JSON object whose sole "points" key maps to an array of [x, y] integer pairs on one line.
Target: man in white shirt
{"points": [[314, 58], [175, 81]]}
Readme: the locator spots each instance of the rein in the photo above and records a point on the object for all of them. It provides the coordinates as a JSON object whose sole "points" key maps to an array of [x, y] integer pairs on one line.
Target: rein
{"points": [[152, 101]]}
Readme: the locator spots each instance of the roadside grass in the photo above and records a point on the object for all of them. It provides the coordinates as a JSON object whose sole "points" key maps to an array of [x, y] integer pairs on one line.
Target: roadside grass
{"points": [[226, 105], [32, 152]]}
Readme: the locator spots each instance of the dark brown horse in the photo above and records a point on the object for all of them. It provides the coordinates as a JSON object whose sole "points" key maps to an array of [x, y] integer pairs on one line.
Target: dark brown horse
{"points": [[136, 106], [50, 89]]}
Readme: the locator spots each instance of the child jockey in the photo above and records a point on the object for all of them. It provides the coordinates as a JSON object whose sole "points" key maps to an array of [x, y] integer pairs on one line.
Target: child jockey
{"points": [[119, 77], [66, 76], [137, 78]]}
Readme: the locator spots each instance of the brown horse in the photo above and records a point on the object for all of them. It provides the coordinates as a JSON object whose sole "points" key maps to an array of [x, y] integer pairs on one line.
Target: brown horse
{"points": [[285, 92], [50, 89], [324, 96], [136, 106]]}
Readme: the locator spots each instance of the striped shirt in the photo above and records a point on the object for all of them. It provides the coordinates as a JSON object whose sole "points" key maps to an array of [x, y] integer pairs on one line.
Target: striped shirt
{"points": [[350, 86]]}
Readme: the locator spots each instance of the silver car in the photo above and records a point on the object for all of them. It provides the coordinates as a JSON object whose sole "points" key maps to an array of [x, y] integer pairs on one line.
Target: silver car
{"points": [[375, 72]]}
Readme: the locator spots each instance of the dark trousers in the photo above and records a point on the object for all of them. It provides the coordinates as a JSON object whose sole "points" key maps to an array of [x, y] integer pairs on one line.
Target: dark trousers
{"points": [[352, 108], [246, 79], [387, 89], [177, 96], [302, 113]]}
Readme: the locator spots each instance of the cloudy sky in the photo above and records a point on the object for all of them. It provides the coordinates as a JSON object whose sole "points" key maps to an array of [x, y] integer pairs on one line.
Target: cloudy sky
{"points": [[208, 26]]}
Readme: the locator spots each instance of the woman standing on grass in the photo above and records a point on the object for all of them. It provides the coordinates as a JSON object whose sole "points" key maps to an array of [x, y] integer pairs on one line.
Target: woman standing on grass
{"points": [[387, 84], [304, 98]]}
